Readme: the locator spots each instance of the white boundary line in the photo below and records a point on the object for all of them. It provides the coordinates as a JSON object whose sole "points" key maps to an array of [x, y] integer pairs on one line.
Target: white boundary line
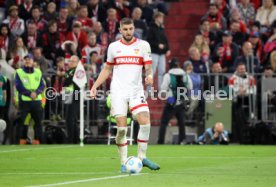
{"points": [[18, 150], [60, 173], [86, 180]]}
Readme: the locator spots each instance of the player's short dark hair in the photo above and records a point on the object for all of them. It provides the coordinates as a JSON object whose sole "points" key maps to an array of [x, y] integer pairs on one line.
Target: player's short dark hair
{"points": [[126, 21]]}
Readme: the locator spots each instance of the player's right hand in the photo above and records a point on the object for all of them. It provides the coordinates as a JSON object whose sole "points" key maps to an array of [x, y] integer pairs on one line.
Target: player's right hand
{"points": [[93, 92]]}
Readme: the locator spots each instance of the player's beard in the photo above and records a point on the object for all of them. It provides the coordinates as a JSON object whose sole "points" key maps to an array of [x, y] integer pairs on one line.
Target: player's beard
{"points": [[128, 38]]}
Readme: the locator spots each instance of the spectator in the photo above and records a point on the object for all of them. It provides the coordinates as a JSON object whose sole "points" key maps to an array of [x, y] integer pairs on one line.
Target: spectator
{"points": [[273, 60], [215, 135], [215, 18], [69, 49], [64, 21], [93, 66], [244, 87], [102, 36], [59, 78], [72, 107], [52, 41], [41, 61], [202, 47], [111, 25], [140, 26], [236, 17], [36, 18], [147, 12], [17, 53], [92, 46], [247, 11], [30, 85], [16, 24], [257, 45], [173, 80], [77, 36], [270, 44], [3, 96], [25, 9], [51, 12], [86, 22], [159, 45], [196, 90], [209, 36], [6, 40], [96, 11], [266, 15], [226, 52], [73, 6], [122, 8], [223, 7], [239, 37], [256, 27], [217, 80], [249, 59], [31, 37], [199, 65]]}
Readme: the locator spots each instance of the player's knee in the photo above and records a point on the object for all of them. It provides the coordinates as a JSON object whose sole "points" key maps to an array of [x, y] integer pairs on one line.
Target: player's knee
{"points": [[121, 121], [143, 118]]}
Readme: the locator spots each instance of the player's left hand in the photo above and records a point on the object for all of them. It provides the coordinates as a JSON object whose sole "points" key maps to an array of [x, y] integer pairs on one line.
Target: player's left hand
{"points": [[149, 80]]}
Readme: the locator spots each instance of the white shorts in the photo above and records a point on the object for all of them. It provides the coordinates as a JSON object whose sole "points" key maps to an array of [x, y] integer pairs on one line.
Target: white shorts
{"points": [[121, 105]]}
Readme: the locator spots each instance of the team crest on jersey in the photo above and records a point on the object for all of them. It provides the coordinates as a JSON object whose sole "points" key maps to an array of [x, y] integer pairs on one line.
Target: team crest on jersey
{"points": [[136, 51]]}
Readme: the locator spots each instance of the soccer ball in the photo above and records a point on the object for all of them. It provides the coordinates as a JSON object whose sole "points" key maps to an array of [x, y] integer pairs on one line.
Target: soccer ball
{"points": [[133, 165], [3, 125]]}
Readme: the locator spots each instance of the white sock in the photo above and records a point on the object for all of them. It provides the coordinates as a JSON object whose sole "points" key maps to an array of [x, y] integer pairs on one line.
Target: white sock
{"points": [[121, 142], [143, 138]]}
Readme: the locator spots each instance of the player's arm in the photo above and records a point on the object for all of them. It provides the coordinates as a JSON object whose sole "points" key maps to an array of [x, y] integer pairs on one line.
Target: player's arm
{"points": [[149, 78], [147, 64], [101, 79]]}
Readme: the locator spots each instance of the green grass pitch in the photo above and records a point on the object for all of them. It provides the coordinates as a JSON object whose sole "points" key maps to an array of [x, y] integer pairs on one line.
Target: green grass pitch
{"points": [[98, 165]]}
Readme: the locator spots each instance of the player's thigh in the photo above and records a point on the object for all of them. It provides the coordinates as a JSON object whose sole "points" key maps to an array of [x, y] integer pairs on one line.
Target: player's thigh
{"points": [[119, 106], [139, 109]]}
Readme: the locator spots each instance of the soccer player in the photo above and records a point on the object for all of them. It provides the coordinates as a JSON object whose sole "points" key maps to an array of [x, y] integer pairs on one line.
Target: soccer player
{"points": [[126, 57]]}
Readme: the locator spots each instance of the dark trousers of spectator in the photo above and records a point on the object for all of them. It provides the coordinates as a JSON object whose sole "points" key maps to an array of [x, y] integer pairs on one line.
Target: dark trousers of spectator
{"points": [[4, 115], [241, 112], [168, 113], [72, 111], [36, 111]]}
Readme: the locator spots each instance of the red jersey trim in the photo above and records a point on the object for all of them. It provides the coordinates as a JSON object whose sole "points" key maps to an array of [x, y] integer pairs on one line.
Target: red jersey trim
{"points": [[109, 63], [138, 106], [148, 62], [122, 41]]}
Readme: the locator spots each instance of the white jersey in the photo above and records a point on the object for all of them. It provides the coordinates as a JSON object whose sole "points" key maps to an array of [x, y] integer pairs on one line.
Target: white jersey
{"points": [[128, 61]]}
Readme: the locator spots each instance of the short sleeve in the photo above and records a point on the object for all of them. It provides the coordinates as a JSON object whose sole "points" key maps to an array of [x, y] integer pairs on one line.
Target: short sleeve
{"points": [[110, 56], [147, 53]]}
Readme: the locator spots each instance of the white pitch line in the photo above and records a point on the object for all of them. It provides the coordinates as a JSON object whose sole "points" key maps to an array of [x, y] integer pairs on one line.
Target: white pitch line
{"points": [[86, 180], [60, 173], [18, 150]]}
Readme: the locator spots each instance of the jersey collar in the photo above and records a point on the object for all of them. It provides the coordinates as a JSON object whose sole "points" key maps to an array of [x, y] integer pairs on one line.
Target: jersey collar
{"points": [[135, 39]]}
